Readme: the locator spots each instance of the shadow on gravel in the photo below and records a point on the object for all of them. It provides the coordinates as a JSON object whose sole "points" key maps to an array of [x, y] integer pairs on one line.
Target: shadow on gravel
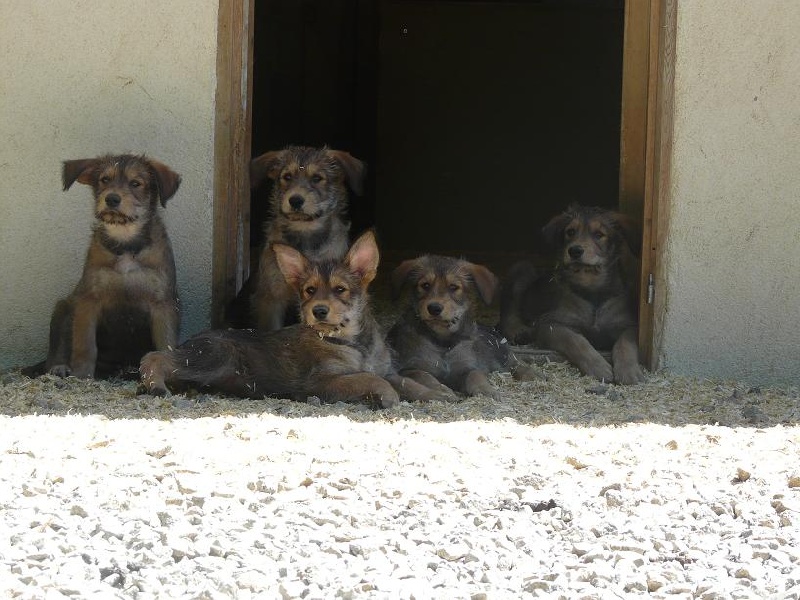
{"points": [[561, 396]]}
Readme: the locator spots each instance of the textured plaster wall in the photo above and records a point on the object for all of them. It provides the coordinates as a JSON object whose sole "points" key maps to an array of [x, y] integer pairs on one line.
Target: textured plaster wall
{"points": [[80, 78], [733, 251]]}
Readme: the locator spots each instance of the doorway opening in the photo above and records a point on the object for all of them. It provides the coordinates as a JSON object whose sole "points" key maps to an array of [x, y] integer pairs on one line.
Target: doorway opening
{"points": [[478, 120]]}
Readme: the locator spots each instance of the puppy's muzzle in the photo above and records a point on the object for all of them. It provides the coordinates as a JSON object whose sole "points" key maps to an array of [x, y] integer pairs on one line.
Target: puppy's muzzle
{"points": [[113, 201], [435, 309], [320, 312], [575, 252], [296, 202]]}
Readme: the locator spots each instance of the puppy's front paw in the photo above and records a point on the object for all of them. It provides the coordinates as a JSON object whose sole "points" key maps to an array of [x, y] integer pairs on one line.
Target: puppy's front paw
{"points": [[440, 395], [83, 371], [59, 370], [629, 374], [524, 372], [599, 369], [389, 398]]}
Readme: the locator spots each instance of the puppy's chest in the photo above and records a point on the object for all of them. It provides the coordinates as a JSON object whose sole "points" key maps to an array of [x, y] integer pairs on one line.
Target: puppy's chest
{"points": [[610, 316], [346, 358], [126, 273]]}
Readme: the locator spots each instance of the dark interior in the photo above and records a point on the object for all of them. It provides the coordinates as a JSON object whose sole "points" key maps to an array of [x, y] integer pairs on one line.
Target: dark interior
{"points": [[479, 120]]}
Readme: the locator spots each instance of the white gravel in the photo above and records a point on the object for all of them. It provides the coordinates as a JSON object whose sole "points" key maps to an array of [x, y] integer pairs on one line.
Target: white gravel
{"points": [[265, 506]]}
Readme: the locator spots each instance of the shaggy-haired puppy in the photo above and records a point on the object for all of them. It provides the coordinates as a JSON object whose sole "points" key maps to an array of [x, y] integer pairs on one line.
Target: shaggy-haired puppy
{"points": [[307, 211], [588, 302], [126, 302], [437, 341]]}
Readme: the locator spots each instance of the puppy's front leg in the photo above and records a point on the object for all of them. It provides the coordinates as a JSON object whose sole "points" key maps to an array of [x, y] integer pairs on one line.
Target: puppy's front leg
{"points": [[577, 349], [60, 340], [476, 383], [413, 389], [357, 387], [164, 324], [153, 369], [625, 356], [84, 337], [428, 380]]}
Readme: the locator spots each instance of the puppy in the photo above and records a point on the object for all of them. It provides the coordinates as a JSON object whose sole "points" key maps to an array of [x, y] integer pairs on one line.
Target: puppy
{"points": [[437, 340], [337, 353], [126, 302], [588, 302], [307, 212]]}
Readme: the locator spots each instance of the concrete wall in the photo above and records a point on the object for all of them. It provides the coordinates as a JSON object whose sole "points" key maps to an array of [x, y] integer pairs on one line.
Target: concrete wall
{"points": [[733, 252], [80, 78]]}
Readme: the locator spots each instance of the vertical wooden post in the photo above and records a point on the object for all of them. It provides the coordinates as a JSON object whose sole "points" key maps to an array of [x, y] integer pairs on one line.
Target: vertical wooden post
{"points": [[232, 135]]}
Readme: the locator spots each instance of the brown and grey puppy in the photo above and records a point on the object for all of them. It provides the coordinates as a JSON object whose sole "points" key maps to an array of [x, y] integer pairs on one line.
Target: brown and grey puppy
{"points": [[588, 302], [126, 302], [437, 341], [308, 208], [338, 353]]}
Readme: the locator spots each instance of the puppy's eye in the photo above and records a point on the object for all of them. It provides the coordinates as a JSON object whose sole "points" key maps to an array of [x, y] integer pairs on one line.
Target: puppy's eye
{"points": [[424, 286], [570, 232], [311, 290], [598, 235], [135, 184], [105, 179], [316, 178], [453, 287], [287, 176], [339, 290]]}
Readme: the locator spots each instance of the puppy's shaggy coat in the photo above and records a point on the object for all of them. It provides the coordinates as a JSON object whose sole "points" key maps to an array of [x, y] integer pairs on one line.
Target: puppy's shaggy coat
{"points": [[588, 302], [307, 208], [437, 341], [126, 302]]}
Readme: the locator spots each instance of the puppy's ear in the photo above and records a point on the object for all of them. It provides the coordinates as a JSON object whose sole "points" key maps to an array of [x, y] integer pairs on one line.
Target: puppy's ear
{"points": [[354, 170], [266, 165], [294, 266], [363, 257], [485, 281], [401, 274], [81, 169], [630, 230], [553, 232], [168, 180]]}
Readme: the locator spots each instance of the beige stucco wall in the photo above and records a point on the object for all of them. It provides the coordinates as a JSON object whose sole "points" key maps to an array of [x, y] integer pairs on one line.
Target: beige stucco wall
{"points": [[80, 78], [732, 260]]}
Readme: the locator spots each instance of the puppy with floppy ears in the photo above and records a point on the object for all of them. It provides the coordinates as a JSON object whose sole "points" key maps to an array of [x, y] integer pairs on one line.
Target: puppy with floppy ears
{"points": [[337, 353], [126, 302], [307, 206], [588, 302], [437, 340]]}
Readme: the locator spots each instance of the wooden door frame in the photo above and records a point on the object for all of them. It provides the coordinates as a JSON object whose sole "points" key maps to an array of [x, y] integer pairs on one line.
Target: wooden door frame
{"points": [[232, 137], [645, 149]]}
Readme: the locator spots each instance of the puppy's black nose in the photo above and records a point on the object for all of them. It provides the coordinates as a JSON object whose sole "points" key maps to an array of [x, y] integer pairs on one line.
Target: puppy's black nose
{"points": [[113, 200], [575, 251], [320, 311], [435, 309], [296, 202]]}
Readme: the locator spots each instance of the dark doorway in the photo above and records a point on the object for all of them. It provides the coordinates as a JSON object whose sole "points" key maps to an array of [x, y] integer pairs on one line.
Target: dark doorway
{"points": [[478, 120]]}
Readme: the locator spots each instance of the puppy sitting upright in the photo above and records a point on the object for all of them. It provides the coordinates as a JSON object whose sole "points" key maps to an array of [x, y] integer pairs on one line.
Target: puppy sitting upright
{"points": [[307, 212], [437, 341], [125, 303], [337, 354], [588, 302]]}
